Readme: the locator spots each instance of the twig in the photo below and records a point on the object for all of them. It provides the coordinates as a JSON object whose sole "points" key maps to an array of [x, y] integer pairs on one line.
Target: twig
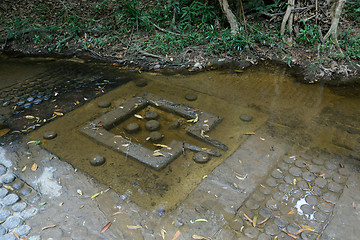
{"points": [[149, 54], [162, 29]]}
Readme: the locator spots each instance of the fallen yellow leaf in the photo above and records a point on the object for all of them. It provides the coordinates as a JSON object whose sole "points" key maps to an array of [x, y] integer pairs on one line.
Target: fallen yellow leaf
{"points": [[133, 227], [177, 234], [307, 228], [34, 167], [50, 226], [106, 227]]}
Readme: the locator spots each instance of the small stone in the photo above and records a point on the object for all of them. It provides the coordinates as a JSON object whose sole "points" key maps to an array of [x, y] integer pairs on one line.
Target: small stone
{"points": [[277, 174], [151, 115], [266, 212], [303, 185], [290, 159], [8, 236], [152, 125], [300, 163], [308, 176], [292, 228], [50, 135], [318, 161], [315, 225], [321, 182], [251, 232], [8, 178], [12, 222], [18, 207], [190, 97], [174, 125], [258, 196], [281, 222], [289, 179], [315, 190], [278, 196], [18, 185], [3, 192], [344, 171], [201, 157], [325, 207], [2, 168], [271, 182], [97, 160], [236, 224], [311, 200], [272, 204], [272, 229], [330, 197], [4, 214], [141, 83], [284, 187], [331, 165], [10, 199], [283, 166], [320, 217], [334, 187], [104, 104], [37, 101], [27, 105], [246, 117], [295, 171], [307, 235], [23, 230], [338, 178], [264, 236], [314, 169], [252, 204], [28, 213], [132, 127], [265, 190], [307, 209], [156, 136], [25, 191]]}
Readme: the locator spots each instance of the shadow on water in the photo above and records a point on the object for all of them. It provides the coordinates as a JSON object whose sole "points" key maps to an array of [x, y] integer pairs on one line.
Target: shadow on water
{"points": [[301, 115]]}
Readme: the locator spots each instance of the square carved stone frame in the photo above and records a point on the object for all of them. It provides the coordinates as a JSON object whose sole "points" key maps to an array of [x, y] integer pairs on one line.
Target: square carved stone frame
{"points": [[202, 121]]}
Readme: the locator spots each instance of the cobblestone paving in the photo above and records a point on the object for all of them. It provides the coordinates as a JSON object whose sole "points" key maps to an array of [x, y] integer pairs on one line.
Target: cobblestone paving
{"points": [[18, 204], [297, 199]]}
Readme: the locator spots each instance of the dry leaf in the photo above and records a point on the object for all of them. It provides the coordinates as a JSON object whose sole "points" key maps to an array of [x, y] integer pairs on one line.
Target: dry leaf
{"points": [[158, 154], [162, 145], [106, 227], [177, 234], [95, 195], [16, 235], [58, 113], [29, 117], [263, 221], [50, 226], [162, 231], [116, 213], [276, 237], [254, 221], [249, 133], [34, 167], [24, 168], [291, 212], [200, 237], [299, 231], [138, 116], [248, 218], [25, 238], [133, 227], [307, 228]]}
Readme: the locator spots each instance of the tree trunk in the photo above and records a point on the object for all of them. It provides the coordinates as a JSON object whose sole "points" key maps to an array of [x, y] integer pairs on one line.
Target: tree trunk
{"points": [[234, 25], [335, 21]]}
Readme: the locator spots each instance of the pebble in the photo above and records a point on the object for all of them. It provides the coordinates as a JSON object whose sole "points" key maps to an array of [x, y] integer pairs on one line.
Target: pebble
{"points": [[22, 230], [272, 229], [344, 172], [50, 135], [12, 222], [8, 178], [315, 190], [295, 171], [151, 115], [265, 190], [330, 197], [3, 192], [37, 101], [277, 174], [10, 199], [141, 83], [132, 127], [314, 169], [2, 170], [190, 97], [306, 235], [264, 236], [307, 209], [251, 232], [289, 179], [271, 182], [311, 200], [175, 124], [318, 161], [201, 157], [292, 228], [246, 117], [321, 182], [338, 178], [300, 163], [104, 104], [27, 105], [252, 204], [289, 159], [8, 236], [265, 212], [18, 207], [303, 185], [97, 160], [283, 166], [320, 217], [325, 207], [152, 125], [330, 165], [258, 196], [308, 176], [334, 187], [284, 187], [272, 204], [236, 224], [28, 213], [4, 214], [18, 185], [156, 136]]}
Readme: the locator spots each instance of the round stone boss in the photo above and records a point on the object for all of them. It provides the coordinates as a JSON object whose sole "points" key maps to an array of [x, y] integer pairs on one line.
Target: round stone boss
{"points": [[97, 160]]}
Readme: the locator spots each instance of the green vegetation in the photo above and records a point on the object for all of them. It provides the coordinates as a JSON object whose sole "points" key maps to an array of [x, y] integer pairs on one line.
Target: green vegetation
{"points": [[165, 26]]}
